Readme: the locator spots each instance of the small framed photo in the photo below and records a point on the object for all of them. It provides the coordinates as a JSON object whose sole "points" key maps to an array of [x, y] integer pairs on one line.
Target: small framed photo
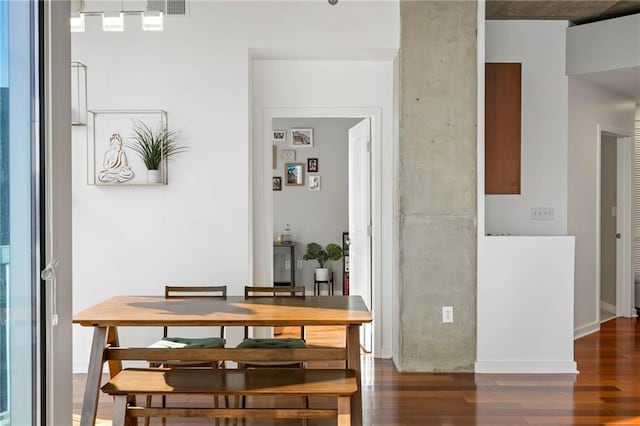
{"points": [[288, 154], [279, 135], [277, 183], [294, 174], [312, 165], [314, 183], [302, 137]]}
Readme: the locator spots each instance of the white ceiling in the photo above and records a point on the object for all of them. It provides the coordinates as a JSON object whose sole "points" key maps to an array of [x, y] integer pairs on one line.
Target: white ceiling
{"points": [[623, 81]]}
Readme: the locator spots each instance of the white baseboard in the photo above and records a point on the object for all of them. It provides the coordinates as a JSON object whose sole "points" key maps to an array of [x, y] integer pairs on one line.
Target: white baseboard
{"points": [[608, 307], [586, 329], [526, 367], [385, 353]]}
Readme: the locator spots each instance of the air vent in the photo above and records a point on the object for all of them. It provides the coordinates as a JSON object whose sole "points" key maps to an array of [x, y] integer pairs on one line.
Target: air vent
{"points": [[169, 7]]}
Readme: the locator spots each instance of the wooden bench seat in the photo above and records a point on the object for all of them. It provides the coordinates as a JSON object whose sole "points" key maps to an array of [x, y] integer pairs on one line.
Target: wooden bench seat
{"points": [[252, 382]]}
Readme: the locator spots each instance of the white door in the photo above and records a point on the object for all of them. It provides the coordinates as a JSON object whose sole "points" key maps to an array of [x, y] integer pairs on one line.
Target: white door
{"points": [[360, 219]]}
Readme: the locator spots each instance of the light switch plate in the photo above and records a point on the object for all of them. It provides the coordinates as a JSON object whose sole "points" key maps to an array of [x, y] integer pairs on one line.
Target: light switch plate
{"points": [[541, 213]]}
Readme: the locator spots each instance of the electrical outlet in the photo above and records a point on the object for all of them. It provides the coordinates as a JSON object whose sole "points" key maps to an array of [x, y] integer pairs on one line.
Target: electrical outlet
{"points": [[541, 213], [299, 264], [287, 264], [447, 314]]}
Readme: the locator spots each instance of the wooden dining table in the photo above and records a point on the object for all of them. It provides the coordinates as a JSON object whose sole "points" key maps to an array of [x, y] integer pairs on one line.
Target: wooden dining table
{"points": [[157, 311]]}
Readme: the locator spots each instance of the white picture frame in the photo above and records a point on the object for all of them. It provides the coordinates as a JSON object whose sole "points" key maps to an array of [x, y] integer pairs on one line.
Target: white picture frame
{"points": [[288, 155], [279, 135], [313, 183], [302, 138]]}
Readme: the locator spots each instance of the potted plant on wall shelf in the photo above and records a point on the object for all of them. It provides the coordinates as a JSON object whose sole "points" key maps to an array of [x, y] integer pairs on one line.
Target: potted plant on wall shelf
{"points": [[322, 255], [154, 147]]}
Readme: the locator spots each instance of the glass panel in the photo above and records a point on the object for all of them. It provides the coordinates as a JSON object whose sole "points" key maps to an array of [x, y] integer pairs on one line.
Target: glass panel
{"points": [[19, 311]]}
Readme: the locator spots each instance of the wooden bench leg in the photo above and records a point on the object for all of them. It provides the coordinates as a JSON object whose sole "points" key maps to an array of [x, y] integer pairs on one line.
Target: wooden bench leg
{"points": [[344, 411], [148, 404], [120, 410]]}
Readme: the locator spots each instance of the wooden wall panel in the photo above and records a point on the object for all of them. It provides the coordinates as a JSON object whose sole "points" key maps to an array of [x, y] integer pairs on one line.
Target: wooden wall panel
{"points": [[503, 122]]}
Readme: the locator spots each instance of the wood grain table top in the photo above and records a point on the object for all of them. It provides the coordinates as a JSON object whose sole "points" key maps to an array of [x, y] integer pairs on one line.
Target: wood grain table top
{"points": [[231, 310]]}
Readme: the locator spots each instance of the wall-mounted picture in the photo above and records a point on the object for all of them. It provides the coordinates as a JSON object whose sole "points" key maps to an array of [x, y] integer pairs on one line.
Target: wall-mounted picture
{"points": [[302, 137], [279, 135], [277, 183], [314, 183], [294, 174], [288, 154], [112, 155], [312, 165]]}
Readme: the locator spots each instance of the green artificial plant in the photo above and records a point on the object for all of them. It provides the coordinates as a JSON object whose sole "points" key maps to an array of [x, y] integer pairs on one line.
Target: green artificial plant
{"points": [[323, 254], [153, 146]]}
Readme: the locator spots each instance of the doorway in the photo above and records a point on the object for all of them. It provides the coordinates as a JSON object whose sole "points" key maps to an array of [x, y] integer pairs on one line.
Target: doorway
{"points": [[263, 230], [608, 226], [614, 235], [321, 194]]}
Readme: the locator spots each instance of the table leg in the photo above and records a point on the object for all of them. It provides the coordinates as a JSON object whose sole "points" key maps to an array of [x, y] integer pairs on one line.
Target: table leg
{"points": [[353, 362], [115, 366], [94, 376]]}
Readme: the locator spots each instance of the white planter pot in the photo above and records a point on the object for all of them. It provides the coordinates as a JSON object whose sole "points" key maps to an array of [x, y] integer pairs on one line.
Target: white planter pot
{"points": [[322, 274], [154, 176]]}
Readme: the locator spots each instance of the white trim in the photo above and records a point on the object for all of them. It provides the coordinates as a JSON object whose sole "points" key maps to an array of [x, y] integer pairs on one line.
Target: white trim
{"points": [[480, 198], [585, 330], [375, 114], [598, 221], [481, 30], [525, 367], [607, 307]]}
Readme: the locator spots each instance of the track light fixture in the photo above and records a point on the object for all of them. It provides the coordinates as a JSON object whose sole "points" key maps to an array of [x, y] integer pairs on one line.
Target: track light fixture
{"points": [[77, 23], [112, 21], [152, 20]]}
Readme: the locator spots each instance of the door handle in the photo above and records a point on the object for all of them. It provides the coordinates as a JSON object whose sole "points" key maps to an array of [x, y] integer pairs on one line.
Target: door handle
{"points": [[618, 236]]}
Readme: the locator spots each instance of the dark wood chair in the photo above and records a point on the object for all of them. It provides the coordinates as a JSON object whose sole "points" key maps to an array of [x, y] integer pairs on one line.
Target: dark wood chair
{"points": [[171, 341], [285, 343]]}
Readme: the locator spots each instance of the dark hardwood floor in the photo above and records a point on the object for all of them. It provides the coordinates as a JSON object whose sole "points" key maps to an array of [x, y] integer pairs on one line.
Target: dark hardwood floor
{"points": [[606, 392]]}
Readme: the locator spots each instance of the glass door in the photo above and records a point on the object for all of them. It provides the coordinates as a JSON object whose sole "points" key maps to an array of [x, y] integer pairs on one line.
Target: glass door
{"points": [[19, 231]]}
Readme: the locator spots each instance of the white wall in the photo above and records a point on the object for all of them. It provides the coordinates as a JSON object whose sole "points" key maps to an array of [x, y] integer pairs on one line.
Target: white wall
{"points": [[540, 47], [525, 297], [590, 108], [330, 89], [612, 44], [315, 216], [525, 305], [198, 228]]}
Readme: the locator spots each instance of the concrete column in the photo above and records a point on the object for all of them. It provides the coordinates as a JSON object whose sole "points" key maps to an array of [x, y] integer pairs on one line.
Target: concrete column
{"points": [[437, 186]]}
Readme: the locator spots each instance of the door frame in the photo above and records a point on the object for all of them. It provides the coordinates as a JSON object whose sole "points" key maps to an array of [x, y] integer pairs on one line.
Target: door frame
{"points": [[624, 264], [262, 247]]}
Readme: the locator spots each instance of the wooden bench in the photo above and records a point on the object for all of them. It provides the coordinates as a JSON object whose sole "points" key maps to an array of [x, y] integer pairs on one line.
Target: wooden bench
{"points": [[252, 382]]}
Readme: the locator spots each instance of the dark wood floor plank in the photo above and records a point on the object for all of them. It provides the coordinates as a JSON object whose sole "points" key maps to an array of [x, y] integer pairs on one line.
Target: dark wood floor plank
{"points": [[606, 392]]}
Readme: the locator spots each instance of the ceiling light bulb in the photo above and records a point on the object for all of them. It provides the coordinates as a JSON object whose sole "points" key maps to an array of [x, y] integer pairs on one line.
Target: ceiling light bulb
{"points": [[77, 22], [113, 21], [152, 20]]}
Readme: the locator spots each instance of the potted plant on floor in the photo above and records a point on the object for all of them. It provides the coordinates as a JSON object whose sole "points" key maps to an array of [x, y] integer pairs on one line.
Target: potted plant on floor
{"points": [[322, 255], [154, 147]]}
